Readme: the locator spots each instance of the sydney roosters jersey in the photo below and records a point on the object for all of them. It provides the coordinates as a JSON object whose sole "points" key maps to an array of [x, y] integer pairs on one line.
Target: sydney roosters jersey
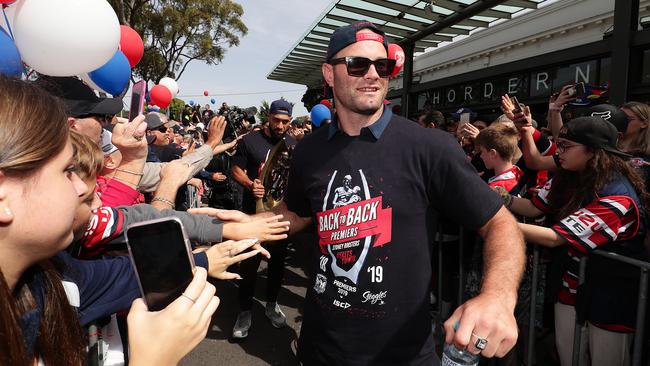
{"points": [[105, 225], [508, 179], [373, 200], [610, 218]]}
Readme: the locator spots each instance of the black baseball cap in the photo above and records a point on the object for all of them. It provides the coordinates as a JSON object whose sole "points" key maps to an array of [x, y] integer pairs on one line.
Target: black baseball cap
{"points": [[281, 106], [347, 35], [79, 98], [609, 113], [593, 131]]}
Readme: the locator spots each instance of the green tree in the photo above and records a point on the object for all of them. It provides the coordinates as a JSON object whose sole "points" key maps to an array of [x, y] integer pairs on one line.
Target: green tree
{"points": [[177, 32], [175, 109], [312, 97], [263, 114]]}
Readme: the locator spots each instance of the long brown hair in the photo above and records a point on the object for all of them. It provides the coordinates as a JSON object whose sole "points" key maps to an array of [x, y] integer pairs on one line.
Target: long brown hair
{"points": [[642, 143], [33, 129], [570, 189]]}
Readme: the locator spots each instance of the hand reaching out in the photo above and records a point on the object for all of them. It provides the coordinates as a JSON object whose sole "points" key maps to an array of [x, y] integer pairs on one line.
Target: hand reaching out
{"points": [[223, 255], [177, 171], [223, 215], [216, 129]]}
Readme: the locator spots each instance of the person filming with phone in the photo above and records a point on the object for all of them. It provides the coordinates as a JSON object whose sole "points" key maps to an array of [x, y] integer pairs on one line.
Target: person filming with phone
{"points": [[45, 295]]}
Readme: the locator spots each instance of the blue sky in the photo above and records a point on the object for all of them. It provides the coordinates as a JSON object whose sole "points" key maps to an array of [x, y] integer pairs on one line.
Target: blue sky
{"points": [[274, 26]]}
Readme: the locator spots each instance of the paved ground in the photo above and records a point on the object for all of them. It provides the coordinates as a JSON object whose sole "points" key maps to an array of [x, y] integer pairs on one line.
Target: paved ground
{"points": [[265, 344]]}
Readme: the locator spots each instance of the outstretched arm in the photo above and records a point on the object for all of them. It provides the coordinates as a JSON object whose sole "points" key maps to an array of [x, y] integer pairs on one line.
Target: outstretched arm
{"points": [[490, 315]]}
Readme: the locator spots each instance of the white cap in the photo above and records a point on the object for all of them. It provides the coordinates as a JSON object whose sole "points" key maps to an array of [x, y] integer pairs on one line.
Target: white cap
{"points": [[200, 125]]}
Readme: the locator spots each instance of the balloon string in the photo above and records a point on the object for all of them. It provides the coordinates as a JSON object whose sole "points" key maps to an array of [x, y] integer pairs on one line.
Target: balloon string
{"points": [[7, 22]]}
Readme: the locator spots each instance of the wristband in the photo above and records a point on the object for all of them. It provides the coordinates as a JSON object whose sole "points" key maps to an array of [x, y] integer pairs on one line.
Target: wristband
{"points": [[507, 200], [164, 200], [555, 108]]}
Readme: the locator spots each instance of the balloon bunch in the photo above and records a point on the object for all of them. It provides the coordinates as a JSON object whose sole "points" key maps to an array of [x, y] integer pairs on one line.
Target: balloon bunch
{"points": [[163, 93], [320, 113], [41, 35], [396, 53]]}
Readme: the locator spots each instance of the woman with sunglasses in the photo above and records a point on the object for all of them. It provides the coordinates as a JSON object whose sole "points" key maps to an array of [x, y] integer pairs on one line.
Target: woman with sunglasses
{"points": [[598, 201], [44, 292]]}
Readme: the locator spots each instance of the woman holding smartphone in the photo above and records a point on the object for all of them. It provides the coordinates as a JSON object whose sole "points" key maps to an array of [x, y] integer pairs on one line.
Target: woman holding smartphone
{"points": [[597, 201], [43, 292]]}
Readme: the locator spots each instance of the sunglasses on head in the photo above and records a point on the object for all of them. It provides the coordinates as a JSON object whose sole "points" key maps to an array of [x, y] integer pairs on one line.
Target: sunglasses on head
{"points": [[359, 66]]}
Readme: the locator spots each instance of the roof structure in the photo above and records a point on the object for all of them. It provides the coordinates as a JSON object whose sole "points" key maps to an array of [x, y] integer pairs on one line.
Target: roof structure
{"points": [[423, 24]]}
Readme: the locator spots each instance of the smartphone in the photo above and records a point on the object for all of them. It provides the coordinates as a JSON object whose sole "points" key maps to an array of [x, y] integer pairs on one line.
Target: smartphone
{"points": [[137, 99], [579, 90], [162, 259], [515, 101], [464, 119]]}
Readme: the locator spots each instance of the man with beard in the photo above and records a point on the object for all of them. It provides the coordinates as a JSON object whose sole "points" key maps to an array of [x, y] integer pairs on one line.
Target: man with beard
{"points": [[368, 304], [252, 152]]}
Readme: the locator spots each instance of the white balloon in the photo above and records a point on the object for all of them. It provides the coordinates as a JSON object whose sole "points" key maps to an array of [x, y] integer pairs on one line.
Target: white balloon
{"points": [[66, 37], [170, 84], [86, 79]]}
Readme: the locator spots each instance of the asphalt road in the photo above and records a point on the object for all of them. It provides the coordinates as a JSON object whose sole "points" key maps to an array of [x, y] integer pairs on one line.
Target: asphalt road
{"points": [[265, 344]]}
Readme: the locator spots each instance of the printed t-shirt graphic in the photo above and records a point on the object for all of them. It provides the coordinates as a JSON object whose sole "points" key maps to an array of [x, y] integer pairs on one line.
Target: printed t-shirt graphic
{"points": [[351, 224]]}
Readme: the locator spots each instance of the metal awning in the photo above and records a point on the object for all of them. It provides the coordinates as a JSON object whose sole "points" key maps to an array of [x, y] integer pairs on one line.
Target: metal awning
{"points": [[424, 24]]}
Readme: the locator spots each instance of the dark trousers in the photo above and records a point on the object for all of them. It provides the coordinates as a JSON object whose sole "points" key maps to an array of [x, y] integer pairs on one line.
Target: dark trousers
{"points": [[275, 271]]}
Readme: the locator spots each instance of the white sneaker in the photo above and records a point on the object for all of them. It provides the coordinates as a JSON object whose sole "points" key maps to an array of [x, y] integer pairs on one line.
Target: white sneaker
{"points": [[242, 325], [275, 315]]}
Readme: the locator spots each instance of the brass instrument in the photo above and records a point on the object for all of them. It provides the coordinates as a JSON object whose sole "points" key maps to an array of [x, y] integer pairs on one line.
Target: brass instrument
{"points": [[275, 175]]}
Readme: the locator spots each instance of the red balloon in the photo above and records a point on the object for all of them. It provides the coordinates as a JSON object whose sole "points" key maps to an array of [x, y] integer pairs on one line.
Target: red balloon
{"points": [[396, 53], [160, 96], [205, 92], [326, 103], [131, 44]]}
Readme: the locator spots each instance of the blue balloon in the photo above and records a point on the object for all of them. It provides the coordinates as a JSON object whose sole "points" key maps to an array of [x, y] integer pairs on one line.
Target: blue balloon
{"points": [[191, 102], [212, 101], [114, 76], [10, 63], [319, 113]]}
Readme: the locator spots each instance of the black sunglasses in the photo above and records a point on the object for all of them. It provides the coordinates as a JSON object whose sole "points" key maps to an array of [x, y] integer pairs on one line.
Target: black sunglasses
{"points": [[101, 118], [359, 66]]}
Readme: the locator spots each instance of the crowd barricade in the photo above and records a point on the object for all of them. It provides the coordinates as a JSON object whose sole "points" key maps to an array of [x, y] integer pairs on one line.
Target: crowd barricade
{"points": [[640, 343], [193, 200]]}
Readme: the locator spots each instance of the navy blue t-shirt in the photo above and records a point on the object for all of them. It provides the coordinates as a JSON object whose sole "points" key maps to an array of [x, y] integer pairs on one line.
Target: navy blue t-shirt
{"points": [[374, 199]]}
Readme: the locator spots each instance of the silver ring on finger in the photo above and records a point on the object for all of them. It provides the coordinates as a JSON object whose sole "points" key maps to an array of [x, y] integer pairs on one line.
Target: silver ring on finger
{"points": [[189, 298], [480, 343]]}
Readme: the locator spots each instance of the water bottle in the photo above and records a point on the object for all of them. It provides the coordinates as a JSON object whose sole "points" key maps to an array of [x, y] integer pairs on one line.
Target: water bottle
{"points": [[452, 356]]}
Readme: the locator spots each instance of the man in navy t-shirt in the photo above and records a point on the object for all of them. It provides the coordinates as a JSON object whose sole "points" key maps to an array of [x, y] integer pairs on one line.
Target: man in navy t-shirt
{"points": [[372, 183]]}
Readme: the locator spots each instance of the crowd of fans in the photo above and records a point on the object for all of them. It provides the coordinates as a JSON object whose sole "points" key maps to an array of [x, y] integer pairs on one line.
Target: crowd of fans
{"points": [[576, 179]]}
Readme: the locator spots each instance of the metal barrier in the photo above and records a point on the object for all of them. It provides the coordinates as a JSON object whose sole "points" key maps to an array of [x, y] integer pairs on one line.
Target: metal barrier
{"points": [[644, 268]]}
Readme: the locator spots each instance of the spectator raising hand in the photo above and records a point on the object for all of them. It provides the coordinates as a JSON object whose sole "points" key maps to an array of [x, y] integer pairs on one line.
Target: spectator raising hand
{"points": [[521, 118]]}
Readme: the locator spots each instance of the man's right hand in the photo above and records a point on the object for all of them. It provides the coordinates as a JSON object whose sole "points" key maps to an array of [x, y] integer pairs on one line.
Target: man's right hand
{"points": [[257, 188]]}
